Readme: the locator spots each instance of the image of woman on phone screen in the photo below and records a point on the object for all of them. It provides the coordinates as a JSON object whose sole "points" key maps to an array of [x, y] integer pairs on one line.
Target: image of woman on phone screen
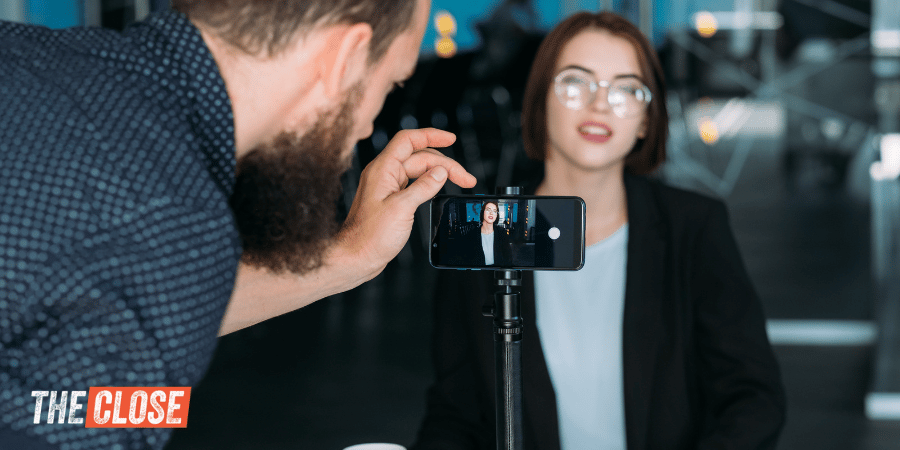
{"points": [[659, 342], [489, 215], [488, 244]]}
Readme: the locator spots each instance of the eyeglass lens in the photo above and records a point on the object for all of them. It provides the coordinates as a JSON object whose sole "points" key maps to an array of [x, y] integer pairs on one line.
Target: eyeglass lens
{"points": [[627, 97]]}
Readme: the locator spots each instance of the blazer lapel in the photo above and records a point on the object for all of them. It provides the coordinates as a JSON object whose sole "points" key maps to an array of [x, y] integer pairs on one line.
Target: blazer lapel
{"points": [[644, 277], [540, 399]]}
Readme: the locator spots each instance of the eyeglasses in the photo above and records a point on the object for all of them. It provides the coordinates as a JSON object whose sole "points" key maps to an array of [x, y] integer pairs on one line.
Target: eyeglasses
{"points": [[491, 210], [576, 89]]}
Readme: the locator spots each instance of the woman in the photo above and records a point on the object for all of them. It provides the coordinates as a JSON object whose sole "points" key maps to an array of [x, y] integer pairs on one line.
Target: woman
{"points": [[486, 245], [659, 341]]}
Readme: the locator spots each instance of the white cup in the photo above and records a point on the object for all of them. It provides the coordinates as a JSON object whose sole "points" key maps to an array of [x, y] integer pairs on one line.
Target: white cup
{"points": [[376, 447]]}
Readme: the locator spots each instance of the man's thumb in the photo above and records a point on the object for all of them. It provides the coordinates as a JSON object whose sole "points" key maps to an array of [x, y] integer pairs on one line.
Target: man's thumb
{"points": [[427, 186]]}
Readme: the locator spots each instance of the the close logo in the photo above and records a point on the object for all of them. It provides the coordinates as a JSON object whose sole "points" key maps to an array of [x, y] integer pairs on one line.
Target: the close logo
{"points": [[118, 407]]}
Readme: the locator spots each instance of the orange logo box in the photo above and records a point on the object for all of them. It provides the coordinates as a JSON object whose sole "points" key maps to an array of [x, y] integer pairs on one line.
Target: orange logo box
{"points": [[138, 407]]}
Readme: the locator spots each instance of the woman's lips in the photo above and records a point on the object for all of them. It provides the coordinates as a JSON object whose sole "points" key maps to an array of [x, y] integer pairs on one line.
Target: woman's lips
{"points": [[595, 132]]}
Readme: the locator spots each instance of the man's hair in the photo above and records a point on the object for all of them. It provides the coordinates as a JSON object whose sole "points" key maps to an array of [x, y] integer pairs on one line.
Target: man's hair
{"points": [[257, 26]]}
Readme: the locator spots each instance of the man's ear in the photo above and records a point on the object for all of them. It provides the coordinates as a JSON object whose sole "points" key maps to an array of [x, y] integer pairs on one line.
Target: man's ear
{"points": [[345, 57]]}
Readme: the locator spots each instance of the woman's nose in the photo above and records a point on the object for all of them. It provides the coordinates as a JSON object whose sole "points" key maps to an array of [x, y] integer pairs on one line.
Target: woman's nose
{"points": [[601, 100]]}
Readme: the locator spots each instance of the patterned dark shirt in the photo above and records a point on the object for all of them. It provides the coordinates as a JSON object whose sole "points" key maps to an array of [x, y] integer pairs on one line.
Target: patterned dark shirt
{"points": [[118, 250]]}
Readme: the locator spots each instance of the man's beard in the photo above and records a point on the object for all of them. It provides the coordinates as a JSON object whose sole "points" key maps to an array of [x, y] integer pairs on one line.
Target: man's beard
{"points": [[286, 193]]}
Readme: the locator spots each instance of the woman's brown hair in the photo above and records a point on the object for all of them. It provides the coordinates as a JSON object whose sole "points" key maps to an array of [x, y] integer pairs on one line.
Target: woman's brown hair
{"points": [[649, 152]]}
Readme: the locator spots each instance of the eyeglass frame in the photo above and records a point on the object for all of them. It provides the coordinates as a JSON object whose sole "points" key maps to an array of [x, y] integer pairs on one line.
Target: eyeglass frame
{"points": [[594, 86]]}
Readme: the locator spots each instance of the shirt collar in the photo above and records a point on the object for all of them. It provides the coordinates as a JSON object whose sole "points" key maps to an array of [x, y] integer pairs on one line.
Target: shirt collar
{"points": [[174, 40]]}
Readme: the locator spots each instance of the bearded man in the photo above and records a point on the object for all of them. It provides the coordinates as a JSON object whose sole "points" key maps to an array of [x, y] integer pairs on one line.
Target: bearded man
{"points": [[177, 181]]}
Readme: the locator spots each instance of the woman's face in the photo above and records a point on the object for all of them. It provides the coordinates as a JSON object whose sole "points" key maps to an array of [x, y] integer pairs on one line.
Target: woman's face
{"points": [[490, 213], [594, 138]]}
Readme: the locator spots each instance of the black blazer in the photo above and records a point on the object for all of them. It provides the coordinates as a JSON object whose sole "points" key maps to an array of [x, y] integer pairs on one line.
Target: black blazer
{"points": [[698, 369], [472, 253]]}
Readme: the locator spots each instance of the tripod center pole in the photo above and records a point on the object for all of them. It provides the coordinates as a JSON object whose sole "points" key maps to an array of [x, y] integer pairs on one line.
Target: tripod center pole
{"points": [[508, 353]]}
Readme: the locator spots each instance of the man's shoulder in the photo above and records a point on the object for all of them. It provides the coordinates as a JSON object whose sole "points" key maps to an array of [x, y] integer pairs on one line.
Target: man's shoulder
{"points": [[47, 52], [102, 71], [69, 171]]}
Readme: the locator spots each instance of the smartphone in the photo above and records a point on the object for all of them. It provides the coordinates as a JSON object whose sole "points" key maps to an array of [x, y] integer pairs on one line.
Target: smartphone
{"points": [[521, 232]]}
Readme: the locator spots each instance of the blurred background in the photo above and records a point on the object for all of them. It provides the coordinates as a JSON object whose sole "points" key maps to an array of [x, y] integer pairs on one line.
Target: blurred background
{"points": [[785, 109]]}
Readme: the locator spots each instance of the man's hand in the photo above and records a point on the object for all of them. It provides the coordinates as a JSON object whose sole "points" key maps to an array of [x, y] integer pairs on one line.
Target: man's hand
{"points": [[382, 215], [377, 228]]}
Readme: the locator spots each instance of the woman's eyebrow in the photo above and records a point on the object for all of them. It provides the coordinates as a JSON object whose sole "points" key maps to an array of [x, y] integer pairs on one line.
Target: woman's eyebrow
{"points": [[573, 66], [585, 69]]}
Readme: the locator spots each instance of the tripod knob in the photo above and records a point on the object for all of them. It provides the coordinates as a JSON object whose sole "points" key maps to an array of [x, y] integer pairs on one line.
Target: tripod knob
{"points": [[508, 190], [516, 330], [507, 278]]}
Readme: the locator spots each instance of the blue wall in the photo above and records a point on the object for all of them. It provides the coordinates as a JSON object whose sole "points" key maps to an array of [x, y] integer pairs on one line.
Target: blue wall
{"points": [[668, 14], [54, 13]]}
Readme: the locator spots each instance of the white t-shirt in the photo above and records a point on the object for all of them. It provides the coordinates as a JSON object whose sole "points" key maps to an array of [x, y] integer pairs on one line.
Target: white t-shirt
{"points": [[579, 319], [487, 244]]}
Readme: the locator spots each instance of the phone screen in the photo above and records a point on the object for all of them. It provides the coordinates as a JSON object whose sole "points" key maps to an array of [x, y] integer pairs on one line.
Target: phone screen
{"points": [[522, 232]]}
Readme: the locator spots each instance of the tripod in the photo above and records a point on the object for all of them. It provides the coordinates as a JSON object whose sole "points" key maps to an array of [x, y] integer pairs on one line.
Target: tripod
{"points": [[508, 326], [508, 358]]}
